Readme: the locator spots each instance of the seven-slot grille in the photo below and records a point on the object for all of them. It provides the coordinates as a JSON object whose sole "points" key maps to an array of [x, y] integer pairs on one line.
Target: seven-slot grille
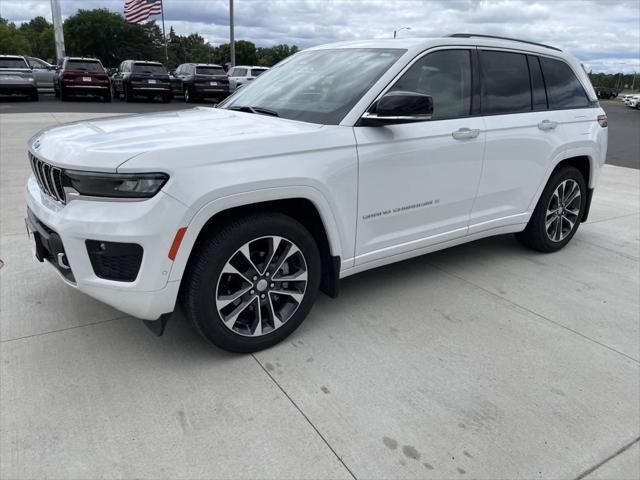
{"points": [[49, 178]]}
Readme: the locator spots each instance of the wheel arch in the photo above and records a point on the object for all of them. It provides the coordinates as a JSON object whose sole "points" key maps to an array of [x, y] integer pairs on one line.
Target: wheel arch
{"points": [[309, 209], [586, 164]]}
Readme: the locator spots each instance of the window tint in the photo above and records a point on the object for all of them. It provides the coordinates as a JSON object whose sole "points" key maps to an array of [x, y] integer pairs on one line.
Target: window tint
{"points": [[210, 71], [563, 88], [13, 62], [240, 72], [446, 76], [153, 68], [257, 71], [537, 84], [505, 83], [87, 65]]}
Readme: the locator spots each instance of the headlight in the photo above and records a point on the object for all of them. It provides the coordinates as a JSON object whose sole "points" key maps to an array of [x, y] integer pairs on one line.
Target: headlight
{"points": [[29, 79], [115, 185]]}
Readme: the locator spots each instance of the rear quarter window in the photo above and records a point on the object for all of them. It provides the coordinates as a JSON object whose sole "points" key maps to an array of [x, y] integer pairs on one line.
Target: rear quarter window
{"points": [[564, 90]]}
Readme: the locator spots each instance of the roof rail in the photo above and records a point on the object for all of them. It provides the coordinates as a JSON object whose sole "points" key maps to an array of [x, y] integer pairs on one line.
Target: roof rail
{"points": [[471, 35]]}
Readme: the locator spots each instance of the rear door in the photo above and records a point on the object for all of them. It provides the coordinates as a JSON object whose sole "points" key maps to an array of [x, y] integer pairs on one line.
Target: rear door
{"points": [[417, 181], [522, 138]]}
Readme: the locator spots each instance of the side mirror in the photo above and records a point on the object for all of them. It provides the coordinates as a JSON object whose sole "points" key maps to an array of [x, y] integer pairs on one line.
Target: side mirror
{"points": [[399, 107], [52, 67]]}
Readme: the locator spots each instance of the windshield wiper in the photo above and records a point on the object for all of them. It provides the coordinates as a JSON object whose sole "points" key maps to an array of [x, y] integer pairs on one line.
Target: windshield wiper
{"points": [[258, 110]]}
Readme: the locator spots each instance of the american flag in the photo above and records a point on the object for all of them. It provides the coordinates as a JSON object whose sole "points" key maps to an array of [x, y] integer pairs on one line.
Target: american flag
{"points": [[135, 11]]}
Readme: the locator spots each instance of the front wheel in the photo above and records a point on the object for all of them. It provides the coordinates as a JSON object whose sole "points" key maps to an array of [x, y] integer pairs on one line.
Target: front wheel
{"points": [[558, 213], [252, 282]]}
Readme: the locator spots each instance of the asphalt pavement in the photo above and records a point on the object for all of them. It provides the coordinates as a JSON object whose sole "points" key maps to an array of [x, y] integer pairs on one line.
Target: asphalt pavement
{"points": [[484, 361], [624, 122]]}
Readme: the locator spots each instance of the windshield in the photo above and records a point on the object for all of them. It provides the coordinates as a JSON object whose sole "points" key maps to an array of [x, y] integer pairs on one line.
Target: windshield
{"points": [[83, 65], [12, 63], [155, 68], [317, 86], [210, 71]]}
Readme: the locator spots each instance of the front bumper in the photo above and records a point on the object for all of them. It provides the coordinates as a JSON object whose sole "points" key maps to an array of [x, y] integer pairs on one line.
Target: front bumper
{"points": [[151, 224]]}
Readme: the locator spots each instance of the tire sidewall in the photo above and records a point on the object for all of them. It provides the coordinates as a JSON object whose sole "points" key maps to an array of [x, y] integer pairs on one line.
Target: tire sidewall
{"points": [[565, 173], [214, 256]]}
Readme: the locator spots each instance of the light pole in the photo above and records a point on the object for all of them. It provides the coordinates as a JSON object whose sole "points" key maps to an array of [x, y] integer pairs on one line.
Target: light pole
{"points": [[57, 28], [232, 42], [395, 32]]}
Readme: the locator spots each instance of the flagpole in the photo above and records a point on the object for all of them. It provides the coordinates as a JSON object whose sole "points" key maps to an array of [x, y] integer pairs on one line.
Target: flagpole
{"points": [[164, 35]]}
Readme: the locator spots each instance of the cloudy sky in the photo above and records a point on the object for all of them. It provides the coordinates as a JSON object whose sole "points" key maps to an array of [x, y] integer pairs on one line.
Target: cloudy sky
{"points": [[604, 34]]}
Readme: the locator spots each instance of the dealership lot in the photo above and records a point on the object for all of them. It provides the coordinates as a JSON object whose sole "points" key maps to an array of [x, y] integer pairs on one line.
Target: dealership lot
{"points": [[483, 361]]}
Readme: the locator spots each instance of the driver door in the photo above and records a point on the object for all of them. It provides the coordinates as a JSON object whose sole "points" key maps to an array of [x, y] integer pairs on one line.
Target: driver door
{"points": [[418, 181]]}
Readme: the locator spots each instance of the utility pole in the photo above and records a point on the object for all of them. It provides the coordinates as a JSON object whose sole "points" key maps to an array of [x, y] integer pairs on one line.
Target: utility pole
{"points": [[56, 15], [232, 42]]}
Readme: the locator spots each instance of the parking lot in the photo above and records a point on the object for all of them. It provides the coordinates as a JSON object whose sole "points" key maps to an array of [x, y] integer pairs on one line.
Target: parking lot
{"points": [[486, 360]]}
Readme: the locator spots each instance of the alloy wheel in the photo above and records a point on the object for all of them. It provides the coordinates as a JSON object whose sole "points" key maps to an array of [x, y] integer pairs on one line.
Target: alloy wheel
{"points": [[261, 286], [563, 210]]}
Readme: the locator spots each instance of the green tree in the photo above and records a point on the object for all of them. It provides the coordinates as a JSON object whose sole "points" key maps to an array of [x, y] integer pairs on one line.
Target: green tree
{"points": [[39, 33], [106, 35], [12, 41]]}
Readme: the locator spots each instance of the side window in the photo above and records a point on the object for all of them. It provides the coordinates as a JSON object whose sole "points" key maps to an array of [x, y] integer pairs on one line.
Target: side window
{"points": [[563, 88], [241, 72], [36, 64], [539, 94], [445, 76], [505, 83]]}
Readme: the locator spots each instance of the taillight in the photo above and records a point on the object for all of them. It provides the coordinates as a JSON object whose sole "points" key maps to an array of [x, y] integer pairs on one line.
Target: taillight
{"points": [[602, 120]]}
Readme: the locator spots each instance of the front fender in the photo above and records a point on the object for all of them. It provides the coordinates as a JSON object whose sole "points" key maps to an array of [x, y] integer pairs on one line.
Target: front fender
{"points": [[212, 208]]}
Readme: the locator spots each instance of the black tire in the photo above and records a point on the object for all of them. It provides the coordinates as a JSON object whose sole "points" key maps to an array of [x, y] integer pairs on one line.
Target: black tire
{"points": [[535, 235], [33, 96], [189, 96], [166, 98], [127, 93], [63, 94], [106, 98], [198, 297]]}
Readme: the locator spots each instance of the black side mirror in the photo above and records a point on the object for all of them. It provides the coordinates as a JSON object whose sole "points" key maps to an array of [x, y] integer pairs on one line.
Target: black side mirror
{"points": [[399, 107]]}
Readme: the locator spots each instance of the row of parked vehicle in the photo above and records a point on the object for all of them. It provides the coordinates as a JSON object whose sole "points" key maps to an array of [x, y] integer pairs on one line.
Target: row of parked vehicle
{"points": [[74, 76], [632, 101]]}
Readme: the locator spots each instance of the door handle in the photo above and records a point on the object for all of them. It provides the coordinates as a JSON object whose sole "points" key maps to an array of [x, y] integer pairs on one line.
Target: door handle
{"points": [[463, 133], [547, 125]]}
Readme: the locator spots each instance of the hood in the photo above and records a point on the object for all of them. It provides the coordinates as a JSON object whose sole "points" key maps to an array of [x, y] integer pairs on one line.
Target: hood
{"points": [[105, 144]]}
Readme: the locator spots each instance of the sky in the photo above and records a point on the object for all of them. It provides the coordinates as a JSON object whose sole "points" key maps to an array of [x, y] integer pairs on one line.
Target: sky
{"points": [[604, 34]]}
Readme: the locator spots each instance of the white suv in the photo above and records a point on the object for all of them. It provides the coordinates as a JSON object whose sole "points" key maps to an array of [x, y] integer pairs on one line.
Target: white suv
{"points": [[341, 158], [243, 74]]}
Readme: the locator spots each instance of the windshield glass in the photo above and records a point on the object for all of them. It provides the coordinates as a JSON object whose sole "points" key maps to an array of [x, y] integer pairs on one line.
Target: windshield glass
{"points": [[149, 68], [210, 71], [83, 65], [317, 86], [13, 63]]}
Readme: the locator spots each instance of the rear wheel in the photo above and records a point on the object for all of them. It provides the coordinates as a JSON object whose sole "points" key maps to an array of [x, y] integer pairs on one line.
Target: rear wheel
{"points": [[252, 283], [107, 97], [63, 94], [188, 95], [558, 213], [33, 96], [128, 94]]}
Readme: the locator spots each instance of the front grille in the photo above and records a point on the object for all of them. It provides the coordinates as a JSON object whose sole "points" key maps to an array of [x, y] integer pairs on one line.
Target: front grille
{"points": [[115, 261], [49, 178]]}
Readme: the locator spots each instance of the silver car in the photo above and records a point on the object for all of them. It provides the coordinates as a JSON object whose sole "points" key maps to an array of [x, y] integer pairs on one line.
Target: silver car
{"points": [[43, 72], [16, 77]]}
